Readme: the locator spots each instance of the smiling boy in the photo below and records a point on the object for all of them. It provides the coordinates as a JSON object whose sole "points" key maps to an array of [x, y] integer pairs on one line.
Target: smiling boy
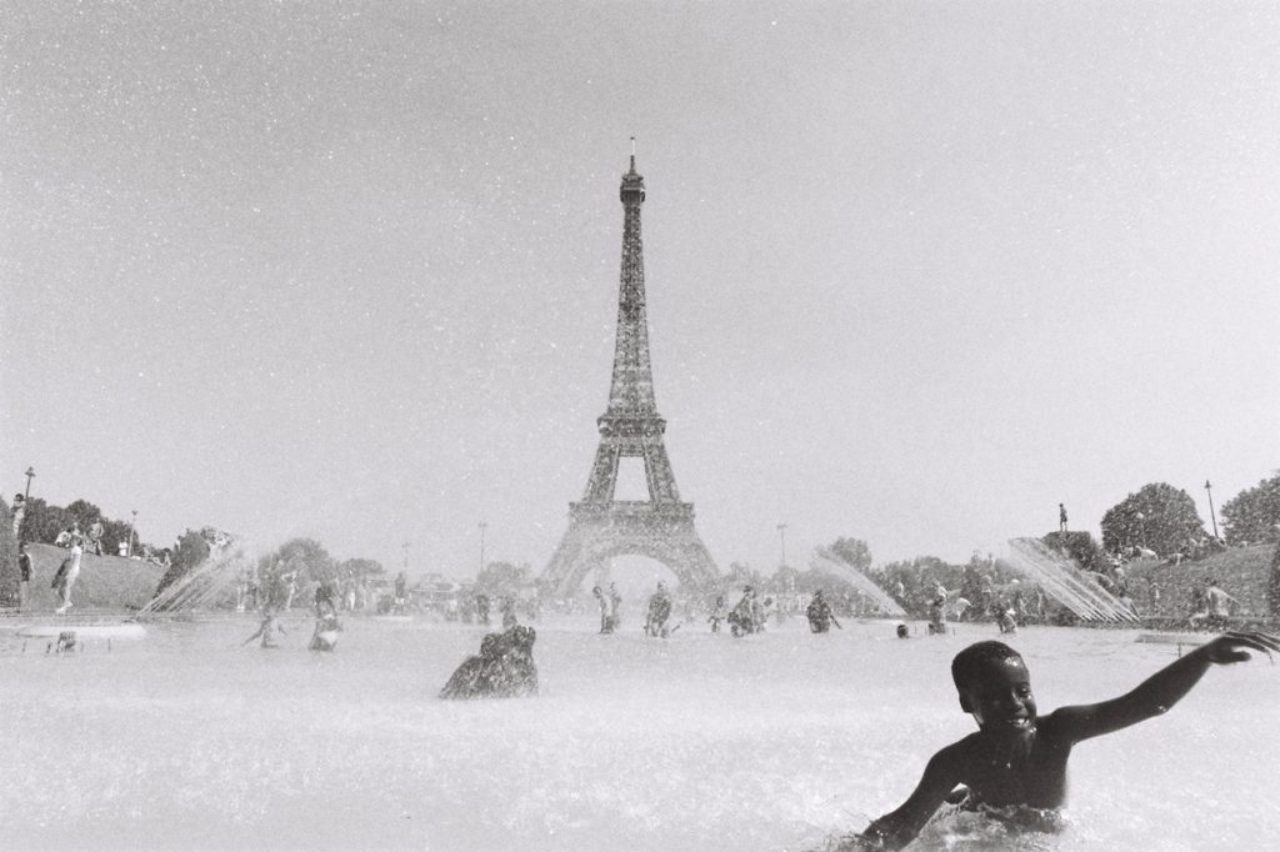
{"points": [[1019, 758]]}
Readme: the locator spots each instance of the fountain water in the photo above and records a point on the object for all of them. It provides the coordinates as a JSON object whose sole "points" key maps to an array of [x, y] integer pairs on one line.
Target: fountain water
{"points": [[827, 559], [202, 586], [1064, 581]]}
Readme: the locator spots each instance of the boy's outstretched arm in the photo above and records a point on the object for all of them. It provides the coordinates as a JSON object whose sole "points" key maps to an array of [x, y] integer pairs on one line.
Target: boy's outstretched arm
{"points": [[899, 827], [1165, 688]]}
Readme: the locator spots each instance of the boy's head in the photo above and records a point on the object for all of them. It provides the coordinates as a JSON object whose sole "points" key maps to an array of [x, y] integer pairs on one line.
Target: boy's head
{"points": [[994, 686]]}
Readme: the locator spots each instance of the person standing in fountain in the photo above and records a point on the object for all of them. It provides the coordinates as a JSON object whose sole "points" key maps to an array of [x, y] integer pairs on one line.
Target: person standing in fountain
{"points": [[742, 617], [717, 614], [268, 629], [655, 623], [938, 610], [401, 583], [615, 605], [606, 610], [325, 637], [1014, 768], [820, 615]]}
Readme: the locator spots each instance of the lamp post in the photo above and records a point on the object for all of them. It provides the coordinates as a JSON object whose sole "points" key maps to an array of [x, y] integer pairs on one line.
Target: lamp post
{"points": [[31, 472], [1208, 488], [782, 539], [483, 526], [1142, 528], [132, 524]]}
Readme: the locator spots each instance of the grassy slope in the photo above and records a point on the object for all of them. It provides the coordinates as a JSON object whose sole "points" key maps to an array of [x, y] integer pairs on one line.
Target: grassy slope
{"points": [[105, 582], [1242, 572]]}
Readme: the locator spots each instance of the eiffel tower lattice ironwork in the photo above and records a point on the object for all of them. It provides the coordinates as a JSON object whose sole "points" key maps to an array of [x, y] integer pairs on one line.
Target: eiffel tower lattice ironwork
{"points": [[600, 526]]}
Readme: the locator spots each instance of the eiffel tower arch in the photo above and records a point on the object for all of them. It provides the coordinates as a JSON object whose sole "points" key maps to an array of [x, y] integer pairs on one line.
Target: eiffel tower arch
{"points": [[600, 526]]}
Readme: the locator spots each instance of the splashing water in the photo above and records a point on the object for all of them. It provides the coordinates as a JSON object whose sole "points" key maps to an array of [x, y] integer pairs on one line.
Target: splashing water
{"points": [[204, 585], [1064, 581], [826, 559]]}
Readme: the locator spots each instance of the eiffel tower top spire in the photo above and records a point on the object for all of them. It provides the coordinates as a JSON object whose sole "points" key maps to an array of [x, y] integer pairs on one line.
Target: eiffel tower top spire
{"points": [[631, 392]]}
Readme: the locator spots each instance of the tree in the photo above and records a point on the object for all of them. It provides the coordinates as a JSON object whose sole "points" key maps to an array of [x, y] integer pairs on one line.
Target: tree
{"points": [[1273, 584], [190, 550], [42, 522], [853, 551], [1081, 547], [740, 574], [1254, 514], [305, 555], [9, 578], [502, 579], [1159, 516], [85, 513], [918, 579], [357, 568]]}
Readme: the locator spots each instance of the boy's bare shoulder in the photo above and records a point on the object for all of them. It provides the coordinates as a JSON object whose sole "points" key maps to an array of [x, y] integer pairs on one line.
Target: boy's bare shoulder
{"points": [[958, 754]]}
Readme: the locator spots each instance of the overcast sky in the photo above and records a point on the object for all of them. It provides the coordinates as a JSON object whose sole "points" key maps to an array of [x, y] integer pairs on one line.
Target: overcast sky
{"points": [[917, 272]]}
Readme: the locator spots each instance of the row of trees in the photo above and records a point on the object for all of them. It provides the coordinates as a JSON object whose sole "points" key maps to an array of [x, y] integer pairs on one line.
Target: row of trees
{"points": [[42, 522], [1164, 518], [305, 558]]}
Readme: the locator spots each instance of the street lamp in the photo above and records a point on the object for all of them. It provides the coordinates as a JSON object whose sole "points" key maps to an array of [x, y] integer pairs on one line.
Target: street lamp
{"points": [[483, 526], [132, 524], [1142, 527], [31, 472], [1208, 487], [782, 537]]}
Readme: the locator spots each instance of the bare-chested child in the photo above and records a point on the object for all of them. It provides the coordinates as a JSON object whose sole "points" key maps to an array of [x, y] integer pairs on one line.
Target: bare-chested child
{"points": [[1018, 758], [268, 629]]}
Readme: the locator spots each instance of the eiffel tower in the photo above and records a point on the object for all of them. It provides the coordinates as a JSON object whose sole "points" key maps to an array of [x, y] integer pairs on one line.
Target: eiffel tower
{"points": [[600, 526]]}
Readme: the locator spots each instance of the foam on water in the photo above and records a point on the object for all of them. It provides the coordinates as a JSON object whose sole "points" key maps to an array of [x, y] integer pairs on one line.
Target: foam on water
{"points": [[780, 741]]}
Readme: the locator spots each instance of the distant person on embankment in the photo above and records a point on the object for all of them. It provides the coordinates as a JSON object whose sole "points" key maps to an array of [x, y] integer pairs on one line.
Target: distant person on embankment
{"points": [[1217, 607], [24, 575]]}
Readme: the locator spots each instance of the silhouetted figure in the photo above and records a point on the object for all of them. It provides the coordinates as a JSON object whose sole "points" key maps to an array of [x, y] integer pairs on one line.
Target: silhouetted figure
{"points": [[268, 629], [717, 614], [606, 610], [820, 615], [1062, 518], [655, 623], [325, 637], [742, 619], [503, 669]]}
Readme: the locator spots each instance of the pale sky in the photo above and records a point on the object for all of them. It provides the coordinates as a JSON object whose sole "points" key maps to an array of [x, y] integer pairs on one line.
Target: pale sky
{"points": [[917, 272]]}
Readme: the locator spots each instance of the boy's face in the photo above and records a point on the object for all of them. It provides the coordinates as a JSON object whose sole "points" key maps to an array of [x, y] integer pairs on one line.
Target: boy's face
{"points": [[1000, 698]]}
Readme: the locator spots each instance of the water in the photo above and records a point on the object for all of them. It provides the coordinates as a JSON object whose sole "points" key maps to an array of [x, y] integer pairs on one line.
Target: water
{"points": [[825, 559], [779, 741], [1061, 579]]}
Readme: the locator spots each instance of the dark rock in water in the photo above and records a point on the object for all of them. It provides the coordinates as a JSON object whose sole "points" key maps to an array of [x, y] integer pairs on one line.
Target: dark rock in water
{"points": [[504, 668]]}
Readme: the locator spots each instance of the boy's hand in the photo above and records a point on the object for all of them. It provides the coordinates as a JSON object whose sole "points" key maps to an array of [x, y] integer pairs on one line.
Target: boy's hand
{"points": [[1235, 647]]}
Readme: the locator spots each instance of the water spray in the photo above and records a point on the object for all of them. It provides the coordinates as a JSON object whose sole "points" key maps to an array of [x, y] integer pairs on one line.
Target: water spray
{"points": [[1063, 580], [827, 559]]}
